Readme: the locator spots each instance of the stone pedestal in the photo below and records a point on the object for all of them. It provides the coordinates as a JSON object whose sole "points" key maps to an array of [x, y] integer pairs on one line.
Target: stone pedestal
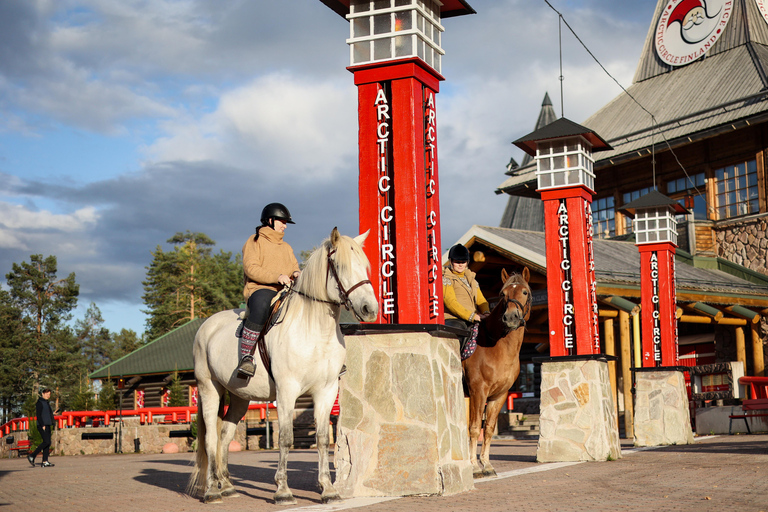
{"points": [[577, 419], [402, 429], [662, 416]]}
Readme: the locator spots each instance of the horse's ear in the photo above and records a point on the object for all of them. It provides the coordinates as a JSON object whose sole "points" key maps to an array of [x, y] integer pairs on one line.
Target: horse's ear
{"points": [[526, 274], [360, 239], [335, 237], [504, 275]]}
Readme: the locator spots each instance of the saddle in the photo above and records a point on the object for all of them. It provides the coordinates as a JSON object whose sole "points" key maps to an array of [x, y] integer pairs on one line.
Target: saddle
{"points": [[469, 343]]}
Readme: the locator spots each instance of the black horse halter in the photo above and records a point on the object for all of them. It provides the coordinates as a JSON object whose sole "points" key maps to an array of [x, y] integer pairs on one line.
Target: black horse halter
{"points": [[523, 309]]}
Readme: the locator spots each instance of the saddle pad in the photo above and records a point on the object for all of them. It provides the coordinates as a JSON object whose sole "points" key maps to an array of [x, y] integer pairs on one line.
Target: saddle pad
{"points": [[470, 343]]}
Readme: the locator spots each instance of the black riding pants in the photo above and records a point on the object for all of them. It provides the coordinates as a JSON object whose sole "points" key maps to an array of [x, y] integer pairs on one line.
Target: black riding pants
{"points": [[258, 306]]}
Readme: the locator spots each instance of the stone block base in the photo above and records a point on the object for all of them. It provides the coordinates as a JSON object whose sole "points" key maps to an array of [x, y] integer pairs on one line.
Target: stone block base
{"points": [[577, 419], [402, 429], [662, 416]]}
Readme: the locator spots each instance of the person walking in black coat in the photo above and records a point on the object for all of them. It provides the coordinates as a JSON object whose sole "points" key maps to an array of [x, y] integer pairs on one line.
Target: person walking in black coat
{"points": [[44, 426]]}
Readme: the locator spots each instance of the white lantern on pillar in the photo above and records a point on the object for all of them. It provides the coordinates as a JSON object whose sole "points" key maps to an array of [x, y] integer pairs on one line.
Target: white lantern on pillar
{"points": [[655, 218], [382, 30], [563, 152]]}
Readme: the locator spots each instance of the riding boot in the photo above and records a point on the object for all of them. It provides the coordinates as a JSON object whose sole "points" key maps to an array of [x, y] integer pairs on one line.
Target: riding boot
{"points": [[248, 339]]}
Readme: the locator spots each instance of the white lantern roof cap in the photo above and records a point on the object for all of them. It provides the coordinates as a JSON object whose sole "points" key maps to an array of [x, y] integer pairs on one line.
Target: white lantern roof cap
{"points": [[652, 200], [562, 128]]}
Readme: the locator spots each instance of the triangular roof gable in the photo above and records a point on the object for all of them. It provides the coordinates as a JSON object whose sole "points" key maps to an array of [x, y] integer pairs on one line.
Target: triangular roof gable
{"points": [[168, 353]]}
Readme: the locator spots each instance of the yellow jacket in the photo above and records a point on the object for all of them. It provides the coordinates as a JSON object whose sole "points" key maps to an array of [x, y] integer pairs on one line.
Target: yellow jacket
{"points": [[265, 259], [462, 296]]}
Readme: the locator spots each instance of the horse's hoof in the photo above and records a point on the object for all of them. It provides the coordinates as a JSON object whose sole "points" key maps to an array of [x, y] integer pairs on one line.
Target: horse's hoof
{"points": [[212, 498], [229, 493], [478, 473], [285, 499], [489, 472], [331, 498]]}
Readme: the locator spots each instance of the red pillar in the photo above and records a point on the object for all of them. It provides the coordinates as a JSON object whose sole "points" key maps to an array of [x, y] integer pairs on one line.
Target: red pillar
{"points": [[571, 285], [399, 196], [659, 323]]}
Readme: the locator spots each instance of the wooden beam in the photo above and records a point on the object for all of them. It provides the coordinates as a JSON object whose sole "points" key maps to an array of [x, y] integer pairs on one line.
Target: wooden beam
{"points": [[619, 302], [694, 319], [607, 313], [744, 313], [758, 358], [741, 351], [626, 374], [704, 309], [610, 349]]}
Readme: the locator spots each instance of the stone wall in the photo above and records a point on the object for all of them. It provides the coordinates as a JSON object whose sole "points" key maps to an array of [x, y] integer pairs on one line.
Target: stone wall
{"points": [[662, 416], [577, 421], [744, 243], [402, 428]]}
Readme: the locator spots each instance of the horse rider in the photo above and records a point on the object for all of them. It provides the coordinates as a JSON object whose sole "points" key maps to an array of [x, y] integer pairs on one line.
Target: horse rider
{"points": [[268, 265], [464, 302]]}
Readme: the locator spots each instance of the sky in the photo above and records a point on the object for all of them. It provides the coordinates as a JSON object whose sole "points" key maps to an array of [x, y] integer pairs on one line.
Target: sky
{"points": [[122, 123]]}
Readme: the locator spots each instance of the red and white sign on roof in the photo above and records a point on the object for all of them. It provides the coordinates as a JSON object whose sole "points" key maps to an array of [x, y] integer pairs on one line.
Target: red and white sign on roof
{"points": [[688, 29]]}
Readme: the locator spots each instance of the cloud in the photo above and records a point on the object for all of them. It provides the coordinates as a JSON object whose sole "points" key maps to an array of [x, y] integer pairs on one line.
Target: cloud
{"points": [[294, 127]]}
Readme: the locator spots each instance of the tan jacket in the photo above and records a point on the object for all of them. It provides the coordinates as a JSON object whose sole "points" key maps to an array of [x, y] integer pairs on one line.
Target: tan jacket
{"points": [[462, 296], [265, 259]]}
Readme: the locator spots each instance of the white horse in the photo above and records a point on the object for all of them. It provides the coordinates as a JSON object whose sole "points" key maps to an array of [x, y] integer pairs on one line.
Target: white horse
{"points": [[307, 352]]}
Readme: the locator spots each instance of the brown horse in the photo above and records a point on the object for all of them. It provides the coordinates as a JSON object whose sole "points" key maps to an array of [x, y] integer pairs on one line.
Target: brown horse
{"points": [[495, 365]]}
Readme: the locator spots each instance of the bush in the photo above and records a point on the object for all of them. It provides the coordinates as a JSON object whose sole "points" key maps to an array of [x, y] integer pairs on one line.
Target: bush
{"points": [[107, 396]]}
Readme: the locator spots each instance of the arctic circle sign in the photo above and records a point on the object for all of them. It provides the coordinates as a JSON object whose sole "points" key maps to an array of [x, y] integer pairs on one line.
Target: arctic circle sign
{"points": [[687, 29]]}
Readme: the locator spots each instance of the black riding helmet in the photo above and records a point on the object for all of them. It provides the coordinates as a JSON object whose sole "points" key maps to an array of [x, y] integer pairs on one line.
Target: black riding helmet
{"points": [[458, 253], [275, 211]]}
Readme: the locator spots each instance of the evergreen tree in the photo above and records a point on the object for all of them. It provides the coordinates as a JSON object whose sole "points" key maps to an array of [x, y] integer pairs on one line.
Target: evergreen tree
{"points": [[45, 346], [178, 395], [107, 400], [189, 282], [84, 399], [95, 342], [125, 342], [14, 375]]}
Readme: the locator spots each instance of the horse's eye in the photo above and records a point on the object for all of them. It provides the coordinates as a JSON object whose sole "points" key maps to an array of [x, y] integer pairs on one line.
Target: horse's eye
{"points": [[525, 292]]}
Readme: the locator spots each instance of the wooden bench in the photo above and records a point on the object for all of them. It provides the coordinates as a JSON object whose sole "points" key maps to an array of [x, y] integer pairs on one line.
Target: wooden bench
{"points": [[755, 407], [22, 447]]}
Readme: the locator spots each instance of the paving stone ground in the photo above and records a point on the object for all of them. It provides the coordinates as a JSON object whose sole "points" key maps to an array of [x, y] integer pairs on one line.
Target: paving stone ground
{"points": [[725, 473]]}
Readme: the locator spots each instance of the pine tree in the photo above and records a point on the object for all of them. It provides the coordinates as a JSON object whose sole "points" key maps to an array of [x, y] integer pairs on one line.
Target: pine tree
{"points": [[45, 346], [84, 399], [189, 282], [178, 395], [107, 400], [96, 343]]}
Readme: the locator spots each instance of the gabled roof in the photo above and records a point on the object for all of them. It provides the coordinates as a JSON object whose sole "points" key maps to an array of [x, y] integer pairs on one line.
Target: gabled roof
{"points": [[168, 353], [723, 91], [652, 199], [561, 128], [618, 266]]}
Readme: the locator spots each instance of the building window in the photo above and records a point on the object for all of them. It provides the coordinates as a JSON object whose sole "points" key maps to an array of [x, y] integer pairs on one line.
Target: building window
{"points": [[691, 193], [627, 198], [736, 190], [603, 218]]}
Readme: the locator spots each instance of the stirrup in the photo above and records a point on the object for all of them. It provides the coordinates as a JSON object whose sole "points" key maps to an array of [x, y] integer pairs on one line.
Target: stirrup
{"points": [[247, 366]]}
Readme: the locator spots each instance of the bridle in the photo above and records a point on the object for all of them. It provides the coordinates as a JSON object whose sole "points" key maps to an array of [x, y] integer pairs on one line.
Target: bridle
{"points": [[523, 309], [343, 292]]}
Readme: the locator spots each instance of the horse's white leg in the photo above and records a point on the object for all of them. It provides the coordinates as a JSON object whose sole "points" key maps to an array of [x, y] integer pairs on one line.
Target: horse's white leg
{"points": [[210, 400], [237, 409], [491, 417], [286, 401], [323, 402]]}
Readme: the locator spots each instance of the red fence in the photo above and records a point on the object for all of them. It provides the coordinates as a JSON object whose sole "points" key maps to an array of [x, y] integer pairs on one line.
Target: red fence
{"points": [[145, 415]]}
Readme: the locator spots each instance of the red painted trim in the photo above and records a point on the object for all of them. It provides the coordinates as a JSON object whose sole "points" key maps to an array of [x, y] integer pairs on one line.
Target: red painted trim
{"points": [[666, 307], [582, 294], [567, 192], [396, 70]]}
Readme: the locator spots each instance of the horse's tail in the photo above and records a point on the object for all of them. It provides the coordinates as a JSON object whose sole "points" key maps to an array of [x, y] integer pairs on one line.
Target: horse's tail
{"points": [[197, 479]]}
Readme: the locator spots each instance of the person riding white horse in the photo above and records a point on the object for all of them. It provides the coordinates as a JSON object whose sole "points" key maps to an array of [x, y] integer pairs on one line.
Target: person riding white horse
{"points": [[268, 265]]}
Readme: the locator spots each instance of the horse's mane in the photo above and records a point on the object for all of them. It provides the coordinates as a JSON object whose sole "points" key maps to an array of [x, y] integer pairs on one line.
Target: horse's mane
{"points": [[312, 282]]}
